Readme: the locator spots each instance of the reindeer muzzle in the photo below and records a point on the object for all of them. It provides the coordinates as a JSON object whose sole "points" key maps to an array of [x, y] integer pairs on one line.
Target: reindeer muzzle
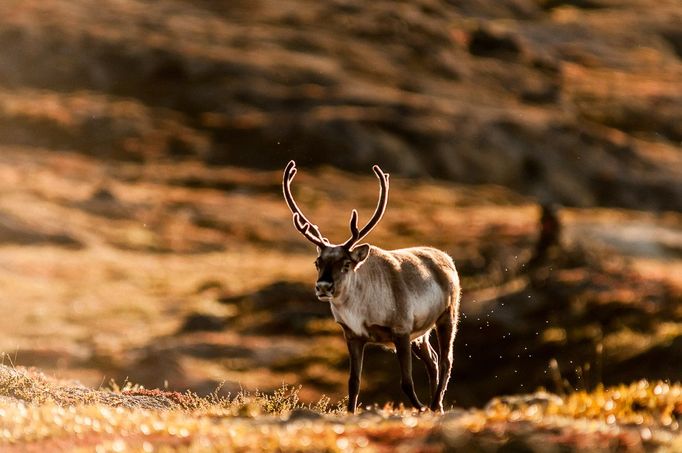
{"points": [[324, 290]]}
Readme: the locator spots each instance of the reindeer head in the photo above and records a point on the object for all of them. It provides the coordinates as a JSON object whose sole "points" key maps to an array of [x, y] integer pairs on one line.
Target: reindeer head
{"points": [[335, 263]]}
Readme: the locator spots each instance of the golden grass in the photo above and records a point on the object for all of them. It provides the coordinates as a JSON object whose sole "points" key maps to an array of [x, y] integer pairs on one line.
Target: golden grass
{"points": [[40, 413]]}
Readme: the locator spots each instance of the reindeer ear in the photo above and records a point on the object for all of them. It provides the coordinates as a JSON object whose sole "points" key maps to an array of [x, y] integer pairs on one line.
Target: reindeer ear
{"points": [[359, 254]]}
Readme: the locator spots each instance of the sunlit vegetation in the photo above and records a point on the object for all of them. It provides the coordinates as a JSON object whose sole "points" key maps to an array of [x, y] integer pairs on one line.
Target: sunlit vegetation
{"points": [[40, 413]]}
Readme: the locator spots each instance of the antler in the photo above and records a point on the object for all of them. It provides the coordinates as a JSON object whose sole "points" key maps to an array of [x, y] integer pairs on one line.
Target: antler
{"points": [[302, 224], [357, 235]]}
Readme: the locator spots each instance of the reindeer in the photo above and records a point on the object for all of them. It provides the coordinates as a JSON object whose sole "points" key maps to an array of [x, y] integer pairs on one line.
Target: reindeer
{"points": [[390, 297]]}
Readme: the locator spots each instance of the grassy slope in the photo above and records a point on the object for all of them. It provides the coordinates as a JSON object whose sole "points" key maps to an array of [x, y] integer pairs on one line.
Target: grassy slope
{"points": [[40, 414], [159, 248], [166, 242], [192, 271]]}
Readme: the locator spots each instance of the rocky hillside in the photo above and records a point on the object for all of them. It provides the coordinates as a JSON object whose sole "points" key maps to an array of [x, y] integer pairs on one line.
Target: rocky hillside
{"points": [[577, 102]]}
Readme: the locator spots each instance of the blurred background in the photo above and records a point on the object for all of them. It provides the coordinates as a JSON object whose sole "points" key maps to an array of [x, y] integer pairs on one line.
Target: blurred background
{"points": [[143, 236]]}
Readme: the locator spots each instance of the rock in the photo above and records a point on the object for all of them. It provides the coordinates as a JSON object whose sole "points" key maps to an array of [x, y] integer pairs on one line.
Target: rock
{"points": [[303, 413], [539, 398], [196, 322], [487, 43]]}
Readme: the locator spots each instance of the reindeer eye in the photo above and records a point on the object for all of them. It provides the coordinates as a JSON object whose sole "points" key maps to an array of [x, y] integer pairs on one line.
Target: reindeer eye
{"points": [[346, 266]]}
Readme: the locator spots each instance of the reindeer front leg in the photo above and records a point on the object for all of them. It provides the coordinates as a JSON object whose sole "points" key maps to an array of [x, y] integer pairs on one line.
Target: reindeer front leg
{"points": [[356, 348], [404, 351]]}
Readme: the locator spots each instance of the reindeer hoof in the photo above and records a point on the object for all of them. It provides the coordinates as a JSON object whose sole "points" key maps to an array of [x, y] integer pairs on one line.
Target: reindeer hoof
{"points": [[437, 408]]}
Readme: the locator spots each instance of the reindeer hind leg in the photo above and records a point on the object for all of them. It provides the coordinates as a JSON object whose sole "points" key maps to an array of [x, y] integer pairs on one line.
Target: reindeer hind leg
{"points": [[446, 327], [425, 352]]}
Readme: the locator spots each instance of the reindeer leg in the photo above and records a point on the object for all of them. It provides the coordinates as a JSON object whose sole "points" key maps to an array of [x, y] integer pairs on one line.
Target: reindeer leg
{"points": [[425, 352], [356, 348], [402, 347], [445, 329]]}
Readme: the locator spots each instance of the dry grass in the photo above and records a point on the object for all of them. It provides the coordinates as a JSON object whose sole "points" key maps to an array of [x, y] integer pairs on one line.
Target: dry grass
{"points": [[41, 413]]}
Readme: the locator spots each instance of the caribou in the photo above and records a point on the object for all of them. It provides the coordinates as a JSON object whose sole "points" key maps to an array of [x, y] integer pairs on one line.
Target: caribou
{"points": [[390, 297]]}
